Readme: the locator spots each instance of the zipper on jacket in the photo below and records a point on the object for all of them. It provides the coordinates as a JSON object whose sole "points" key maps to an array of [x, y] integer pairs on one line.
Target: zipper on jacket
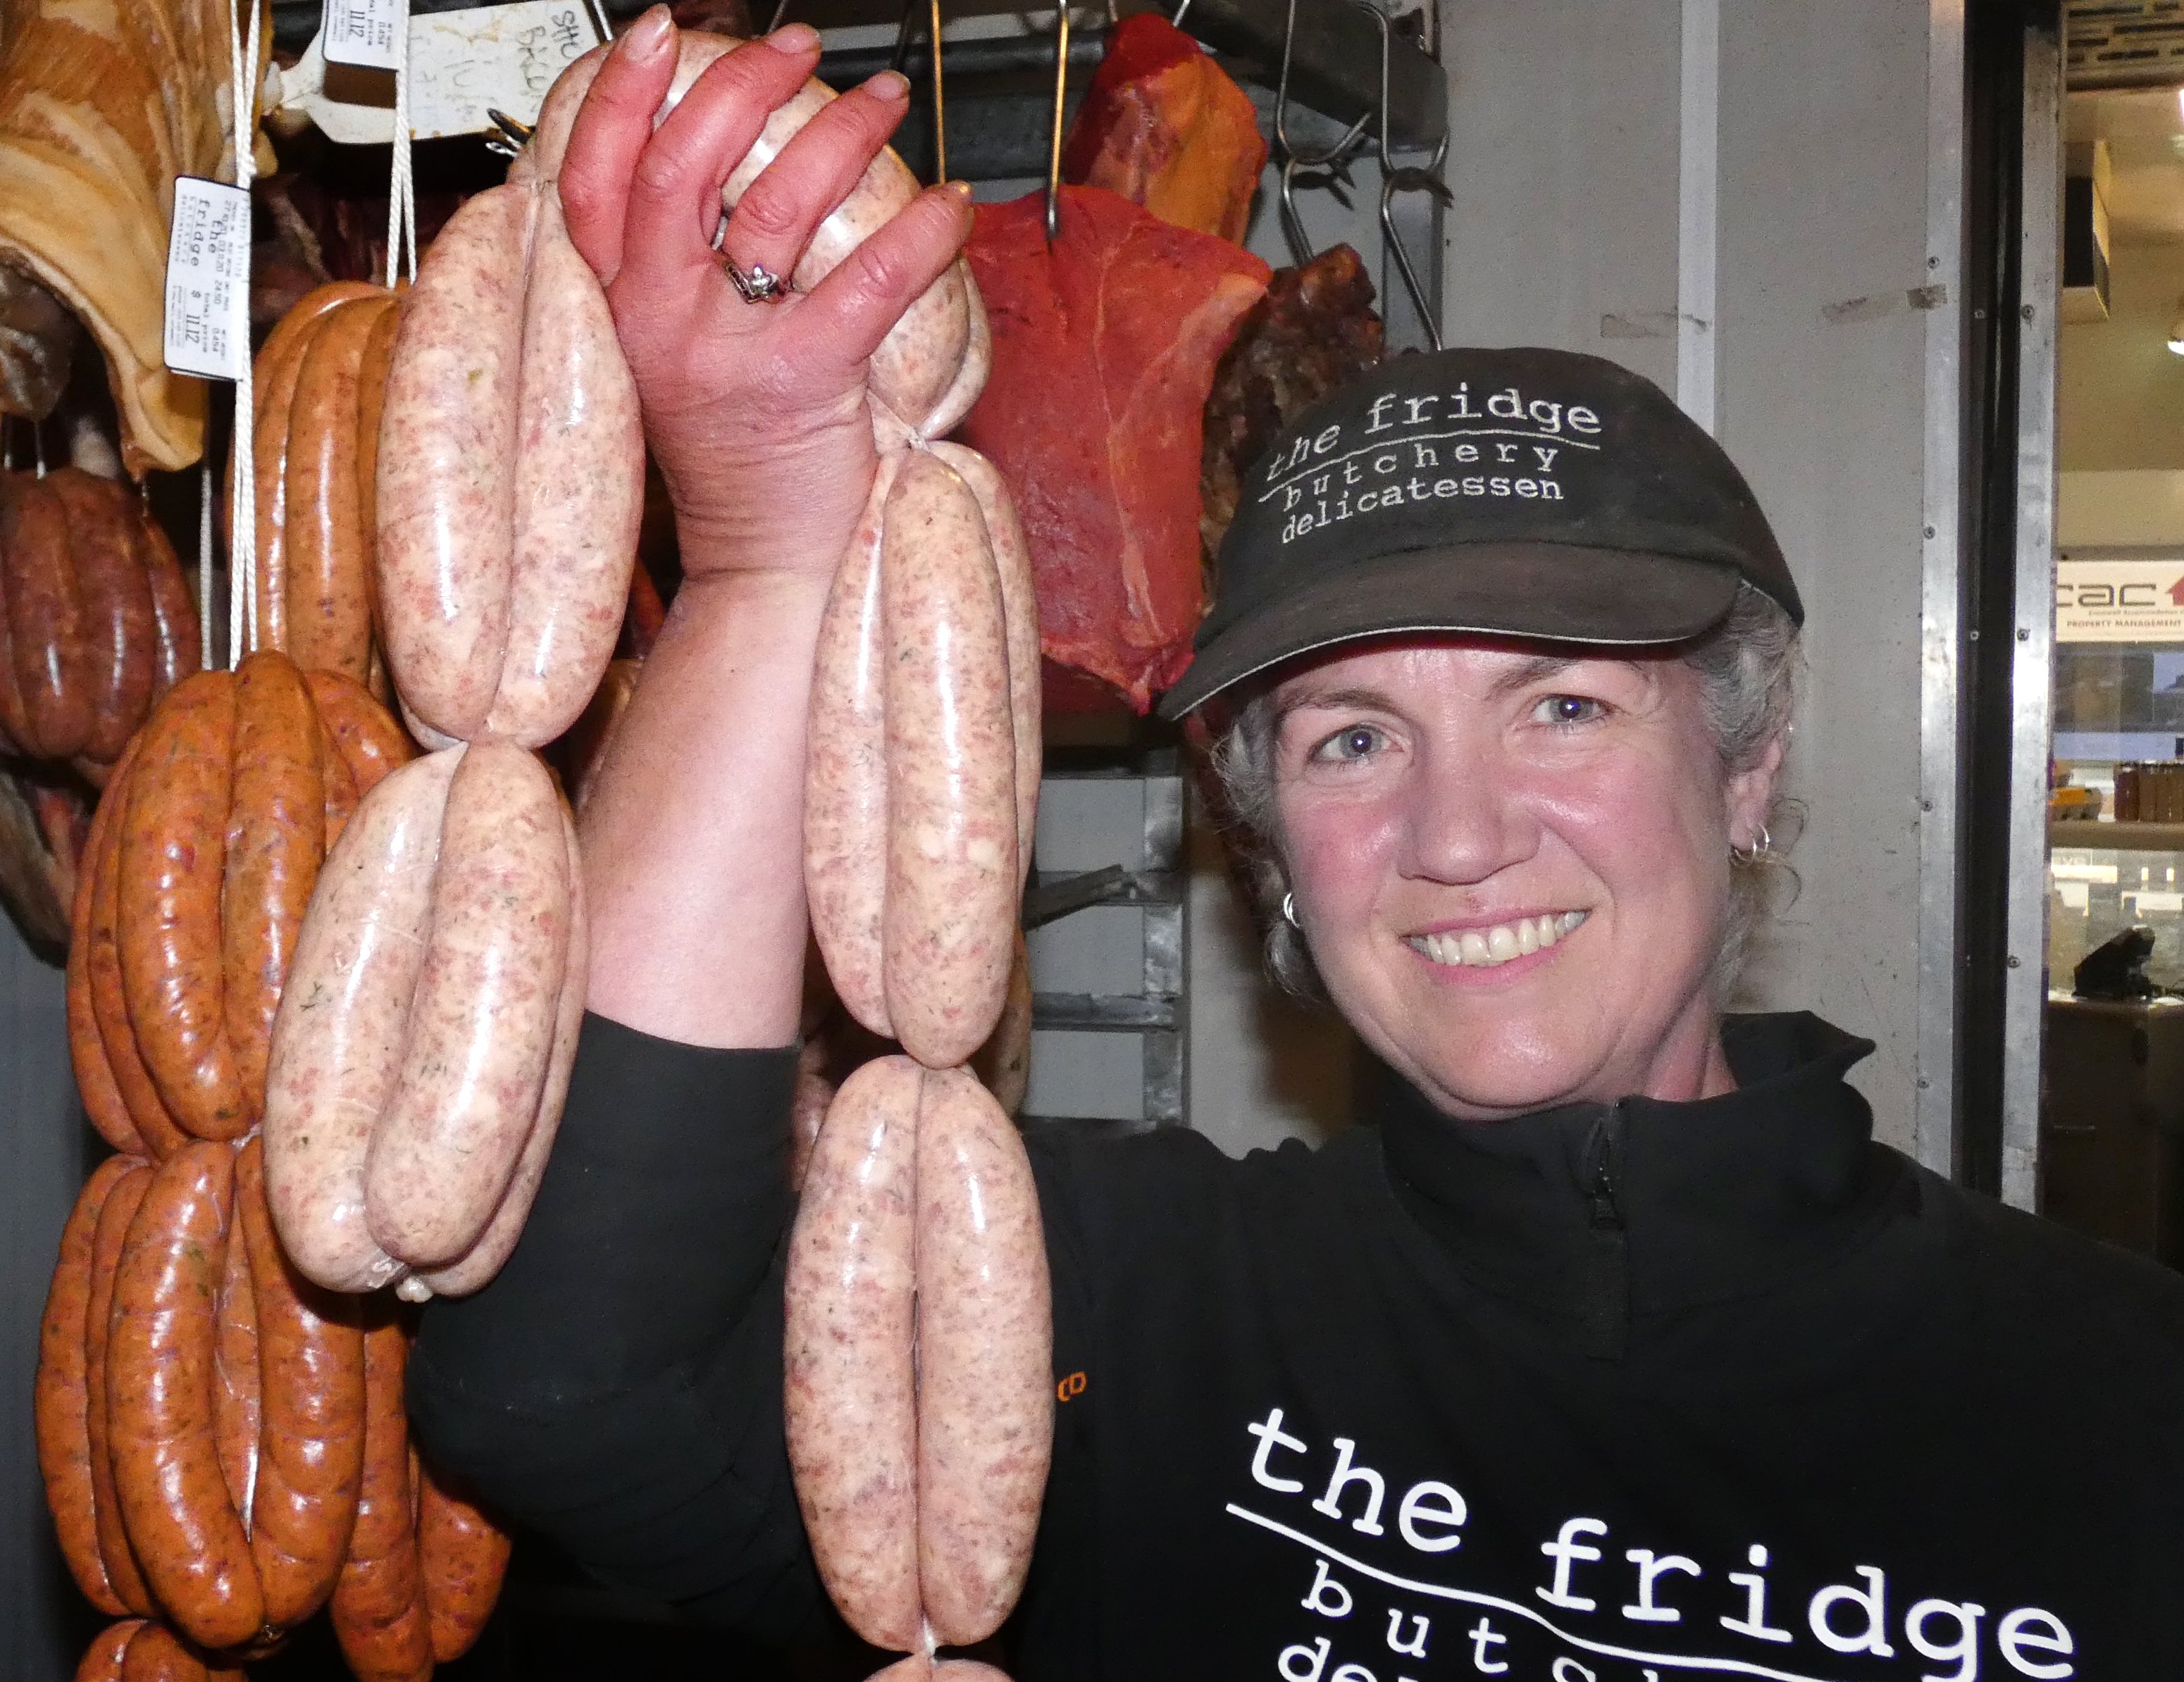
{"points": [[1607, 1286]]}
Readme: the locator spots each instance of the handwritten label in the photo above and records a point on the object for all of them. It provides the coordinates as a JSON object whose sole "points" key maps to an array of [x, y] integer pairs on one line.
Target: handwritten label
{"points": [[464, 65], [362, 32], [207, 325]]}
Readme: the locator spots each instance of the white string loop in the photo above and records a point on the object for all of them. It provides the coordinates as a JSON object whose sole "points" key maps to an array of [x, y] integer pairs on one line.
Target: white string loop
{"points": [[242, 479]]}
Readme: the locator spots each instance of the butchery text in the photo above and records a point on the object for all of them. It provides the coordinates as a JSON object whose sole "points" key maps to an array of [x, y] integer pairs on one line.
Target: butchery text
{"points": [[1405, 455]]}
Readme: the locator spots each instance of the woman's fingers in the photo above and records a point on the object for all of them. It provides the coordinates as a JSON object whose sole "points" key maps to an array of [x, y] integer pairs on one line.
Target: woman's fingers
{"points": [[850, 312], [610, 133], [674, 190], [819, 168]]}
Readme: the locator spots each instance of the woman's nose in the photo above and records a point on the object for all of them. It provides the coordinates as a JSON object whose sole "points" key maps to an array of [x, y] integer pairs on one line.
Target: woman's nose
{"points": [[1467, 818]]}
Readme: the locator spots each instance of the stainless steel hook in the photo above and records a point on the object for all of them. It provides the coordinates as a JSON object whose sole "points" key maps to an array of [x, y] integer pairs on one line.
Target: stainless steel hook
{"points": [[1404, 178], [1061, 98], [1335, 159], [507, 136]]}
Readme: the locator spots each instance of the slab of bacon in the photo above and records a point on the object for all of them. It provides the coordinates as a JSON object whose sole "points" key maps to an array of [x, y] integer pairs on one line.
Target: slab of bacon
{"points": [[1163, 126]]}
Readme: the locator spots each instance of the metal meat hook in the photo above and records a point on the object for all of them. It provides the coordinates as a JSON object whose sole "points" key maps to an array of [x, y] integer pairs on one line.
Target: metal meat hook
{"points": [[1054, 143], [1334, 160], [1403, 178]]}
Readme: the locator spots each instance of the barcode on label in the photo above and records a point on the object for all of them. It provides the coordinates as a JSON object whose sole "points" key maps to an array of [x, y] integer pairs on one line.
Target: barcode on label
{"points": [[207, 322], [363, 32]]}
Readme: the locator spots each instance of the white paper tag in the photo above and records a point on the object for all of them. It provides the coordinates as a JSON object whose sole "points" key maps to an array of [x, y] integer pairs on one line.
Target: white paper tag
{"points": [[464, 65], [207, 325], [363, 32]]}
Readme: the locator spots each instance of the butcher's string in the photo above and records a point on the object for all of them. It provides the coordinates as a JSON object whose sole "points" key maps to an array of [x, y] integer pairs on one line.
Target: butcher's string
{"points": [[243, 482], [401, 188]]}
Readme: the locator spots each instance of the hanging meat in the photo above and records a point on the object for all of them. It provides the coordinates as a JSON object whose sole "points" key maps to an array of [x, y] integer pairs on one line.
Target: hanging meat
{"points": [[1313, 331], [1163, 126], [920, 1488], [1104, 345], [96, 616], [320, 381], [101, 107]]}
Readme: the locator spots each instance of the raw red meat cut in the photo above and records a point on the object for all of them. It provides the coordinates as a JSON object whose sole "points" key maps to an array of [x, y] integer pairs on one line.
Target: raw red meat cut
{"points": [[1104, 351], [1163, 126]]}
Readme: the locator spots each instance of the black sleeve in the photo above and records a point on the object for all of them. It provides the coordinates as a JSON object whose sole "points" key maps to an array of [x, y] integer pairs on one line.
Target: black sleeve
{"points": [[618, 1386]]}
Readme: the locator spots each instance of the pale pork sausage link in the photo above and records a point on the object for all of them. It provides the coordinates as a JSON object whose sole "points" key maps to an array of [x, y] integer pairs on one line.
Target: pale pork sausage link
{"points": [[447, 467], [849, 1392], [845, 813], [482, 1021], [951, 881], [1020, 607], [491, 1250], [339, 1039], [957, 400], [985, 1361], [579, 494]]}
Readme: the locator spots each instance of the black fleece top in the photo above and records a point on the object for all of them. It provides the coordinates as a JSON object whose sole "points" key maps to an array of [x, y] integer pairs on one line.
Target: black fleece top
{"points": [[1640, 1392]]}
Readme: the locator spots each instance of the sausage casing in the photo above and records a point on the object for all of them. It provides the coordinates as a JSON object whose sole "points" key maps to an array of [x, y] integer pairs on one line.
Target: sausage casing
{"points": [[579, 494], [103, 1103], [310, 1450], [845, 808], [160, 1364], [174, 615], [482, 1021], [378, 1605], [463, 1556], [851, 1387], [1005, 533], [116, 602], [174, 842], [447, 475], [365, 732], [985, 1361], [60, 1396], [102, 1660], [338, 1041], [237, 1405], [324, 577], [46, 630], [114, 1550], [110, 1006], [952, 881], [497, 1243], [275, 839]]}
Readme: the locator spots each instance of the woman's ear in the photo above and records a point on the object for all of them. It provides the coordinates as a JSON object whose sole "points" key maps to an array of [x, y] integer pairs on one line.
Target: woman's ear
{"points": [[1750, 794]]}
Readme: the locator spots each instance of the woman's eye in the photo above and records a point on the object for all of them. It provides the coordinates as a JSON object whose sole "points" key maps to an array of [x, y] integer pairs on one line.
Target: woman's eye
{"points": [[1568, 710], [1353, 744]]}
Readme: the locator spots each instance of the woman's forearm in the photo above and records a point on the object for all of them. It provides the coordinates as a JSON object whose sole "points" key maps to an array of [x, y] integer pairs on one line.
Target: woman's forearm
{"points": [[694, 833]]}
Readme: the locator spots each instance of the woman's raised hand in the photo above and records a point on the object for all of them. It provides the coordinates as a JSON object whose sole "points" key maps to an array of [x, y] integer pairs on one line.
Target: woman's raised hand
{"points": [[754, 411]]}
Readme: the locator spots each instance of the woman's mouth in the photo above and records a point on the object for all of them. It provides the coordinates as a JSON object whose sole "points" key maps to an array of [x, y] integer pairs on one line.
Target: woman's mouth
{"points": [[1485, 947]]}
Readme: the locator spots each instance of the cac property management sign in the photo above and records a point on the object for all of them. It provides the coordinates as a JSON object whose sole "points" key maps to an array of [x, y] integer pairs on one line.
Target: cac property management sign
{"points": [[2119, 601]]}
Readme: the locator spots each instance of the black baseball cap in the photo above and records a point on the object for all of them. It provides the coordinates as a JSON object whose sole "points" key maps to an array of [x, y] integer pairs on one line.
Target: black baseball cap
{"points": [[1523, 492]]}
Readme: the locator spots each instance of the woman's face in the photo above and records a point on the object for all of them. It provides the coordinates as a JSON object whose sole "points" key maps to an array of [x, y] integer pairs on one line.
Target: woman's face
{"points": [[1513, 866]]}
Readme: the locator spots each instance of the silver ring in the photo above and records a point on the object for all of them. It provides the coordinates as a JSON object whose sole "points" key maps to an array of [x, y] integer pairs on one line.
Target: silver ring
{"points": [[1288, 911], [761, 286]]}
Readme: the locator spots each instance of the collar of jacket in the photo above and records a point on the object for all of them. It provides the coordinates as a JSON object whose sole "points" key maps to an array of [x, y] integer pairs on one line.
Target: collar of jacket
{"points": [[1602, 1212]]}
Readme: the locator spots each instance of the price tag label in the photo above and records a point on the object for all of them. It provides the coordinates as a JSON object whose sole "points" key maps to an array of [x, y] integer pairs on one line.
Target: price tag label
{"points": [[464, 65], [207, 325], [362, 32]]}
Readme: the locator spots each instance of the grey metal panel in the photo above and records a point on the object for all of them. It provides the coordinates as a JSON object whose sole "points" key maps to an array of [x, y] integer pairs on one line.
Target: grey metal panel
{"points": [[2032, 672], [1941, 593], [1821, 359], [1562, 157], [47, 1151]]}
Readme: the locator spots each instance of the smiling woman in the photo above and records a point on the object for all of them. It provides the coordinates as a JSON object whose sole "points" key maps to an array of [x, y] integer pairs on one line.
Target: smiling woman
{"points": [[1747, 670]]}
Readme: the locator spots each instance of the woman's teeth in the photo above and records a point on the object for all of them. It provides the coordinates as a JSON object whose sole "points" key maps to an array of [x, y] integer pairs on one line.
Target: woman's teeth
{"points": [[1483, 948]]}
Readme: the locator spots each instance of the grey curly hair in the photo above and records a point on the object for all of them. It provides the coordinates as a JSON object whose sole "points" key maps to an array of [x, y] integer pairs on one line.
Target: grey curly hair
{"points": [[1749, 666]]}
